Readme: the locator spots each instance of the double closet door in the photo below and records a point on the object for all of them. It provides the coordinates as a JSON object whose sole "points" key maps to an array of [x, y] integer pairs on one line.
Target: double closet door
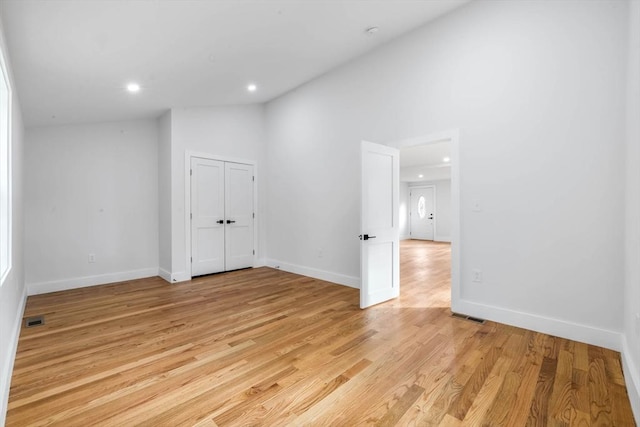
{"points": [[222, 216]]}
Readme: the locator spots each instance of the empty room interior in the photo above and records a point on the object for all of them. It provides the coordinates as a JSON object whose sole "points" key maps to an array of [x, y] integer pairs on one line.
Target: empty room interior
{"points": [[220, 212]]}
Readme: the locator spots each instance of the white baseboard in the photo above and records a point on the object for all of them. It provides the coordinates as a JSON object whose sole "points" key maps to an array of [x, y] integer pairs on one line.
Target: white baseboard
{"points": [[442, 239], [82, 282], [181, 276], [340, 279], [164, 274], [631, 378], [7, 371], [405, 237], [560, 328]]}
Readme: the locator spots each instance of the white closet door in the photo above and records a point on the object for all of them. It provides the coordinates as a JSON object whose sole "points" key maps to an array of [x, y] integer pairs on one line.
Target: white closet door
{"points": [[239, 216], [207, 221]]}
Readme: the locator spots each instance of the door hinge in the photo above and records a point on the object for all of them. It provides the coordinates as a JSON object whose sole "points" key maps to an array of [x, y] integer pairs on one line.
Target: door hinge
{"points": [[254, 251], [190, 171], [253, 178], [191, 259], [254, 215], [191, 216]]}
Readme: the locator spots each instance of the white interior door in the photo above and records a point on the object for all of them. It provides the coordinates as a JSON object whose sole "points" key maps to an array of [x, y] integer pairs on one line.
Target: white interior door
{"points": [[379, 241], [207, 216], [239, 216], [422, 212]]}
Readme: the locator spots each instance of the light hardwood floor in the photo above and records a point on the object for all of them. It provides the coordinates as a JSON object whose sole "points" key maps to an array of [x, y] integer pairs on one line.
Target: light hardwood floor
{"points": [[265, 347]]}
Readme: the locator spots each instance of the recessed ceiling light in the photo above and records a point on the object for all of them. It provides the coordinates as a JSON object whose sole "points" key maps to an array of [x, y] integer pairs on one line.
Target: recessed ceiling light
{"points": [[133, 87], [446, 160], [420, 176], [252, 88]]}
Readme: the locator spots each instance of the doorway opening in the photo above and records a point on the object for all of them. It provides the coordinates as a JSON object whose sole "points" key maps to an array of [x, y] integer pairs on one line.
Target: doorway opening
{"points": [[429, 246]]}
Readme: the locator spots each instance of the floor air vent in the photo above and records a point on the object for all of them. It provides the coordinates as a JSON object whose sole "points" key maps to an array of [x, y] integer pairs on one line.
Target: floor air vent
{"points": [[34, 321], [465, 317]]}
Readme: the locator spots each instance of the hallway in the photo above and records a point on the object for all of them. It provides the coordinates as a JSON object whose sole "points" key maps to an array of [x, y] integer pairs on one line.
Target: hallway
{"points": [[425, 274]]}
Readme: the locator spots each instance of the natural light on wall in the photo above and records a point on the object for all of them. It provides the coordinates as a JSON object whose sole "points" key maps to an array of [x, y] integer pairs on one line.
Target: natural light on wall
{"points": [[5, 172]]}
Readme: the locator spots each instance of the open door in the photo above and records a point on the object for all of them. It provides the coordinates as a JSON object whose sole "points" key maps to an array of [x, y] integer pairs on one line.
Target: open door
{"points": [[380, 238]]}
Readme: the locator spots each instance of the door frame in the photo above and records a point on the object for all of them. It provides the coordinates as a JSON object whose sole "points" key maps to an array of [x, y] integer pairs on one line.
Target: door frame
{"points": [[452, 135], [435, 198], [187, 200]]}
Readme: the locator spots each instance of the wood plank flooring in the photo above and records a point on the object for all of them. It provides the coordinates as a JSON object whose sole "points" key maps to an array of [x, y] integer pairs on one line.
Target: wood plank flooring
{"points": [[264, 347]]}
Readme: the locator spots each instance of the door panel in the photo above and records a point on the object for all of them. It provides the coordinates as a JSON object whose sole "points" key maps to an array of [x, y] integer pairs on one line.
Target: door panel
{"points": [[239, 216], [379, 246], [381, 271], [422, 213], [207, 210]]}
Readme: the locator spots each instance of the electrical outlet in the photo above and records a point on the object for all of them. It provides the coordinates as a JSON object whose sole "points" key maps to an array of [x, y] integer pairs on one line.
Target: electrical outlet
{"points": [[92, 258], [477, 275], [476, 206], [320, 253]]}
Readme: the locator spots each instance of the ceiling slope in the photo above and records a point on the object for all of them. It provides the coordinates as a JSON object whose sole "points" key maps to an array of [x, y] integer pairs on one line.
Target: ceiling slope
{"points": [[72, 59]]}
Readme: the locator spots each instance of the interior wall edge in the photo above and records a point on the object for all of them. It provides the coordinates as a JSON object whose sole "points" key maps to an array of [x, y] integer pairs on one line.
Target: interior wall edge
{"points": [[7, 373], [165, 274], [631, 379], [561, 328], [327, 276], [82, 282]]}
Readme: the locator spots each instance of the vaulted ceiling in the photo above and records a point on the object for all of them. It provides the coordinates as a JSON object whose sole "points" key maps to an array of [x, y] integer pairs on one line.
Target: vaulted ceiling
{"points": [[72, 59]]}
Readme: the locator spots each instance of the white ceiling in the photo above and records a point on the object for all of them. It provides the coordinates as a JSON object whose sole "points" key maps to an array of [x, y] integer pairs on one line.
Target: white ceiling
{"points": [[71, 59], [430, 155], [425, 162]]}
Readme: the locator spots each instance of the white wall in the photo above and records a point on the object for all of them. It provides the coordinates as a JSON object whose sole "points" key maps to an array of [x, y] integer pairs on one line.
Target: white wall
{"points": [[13, 291], [164, 195], [442, 232], [537, 91], [90, 189], [403, 220], [631, 355], [230, 132]]}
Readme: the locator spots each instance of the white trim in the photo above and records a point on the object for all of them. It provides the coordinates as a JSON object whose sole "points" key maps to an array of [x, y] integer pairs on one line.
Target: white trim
{"points": [[327, 276], [166, 275], [186, 275], [180, 276], [547, 325], [431, 138], [452, 135], [7, 371], [8, 239], [446, 239], [82, 282], [631, 376]]}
